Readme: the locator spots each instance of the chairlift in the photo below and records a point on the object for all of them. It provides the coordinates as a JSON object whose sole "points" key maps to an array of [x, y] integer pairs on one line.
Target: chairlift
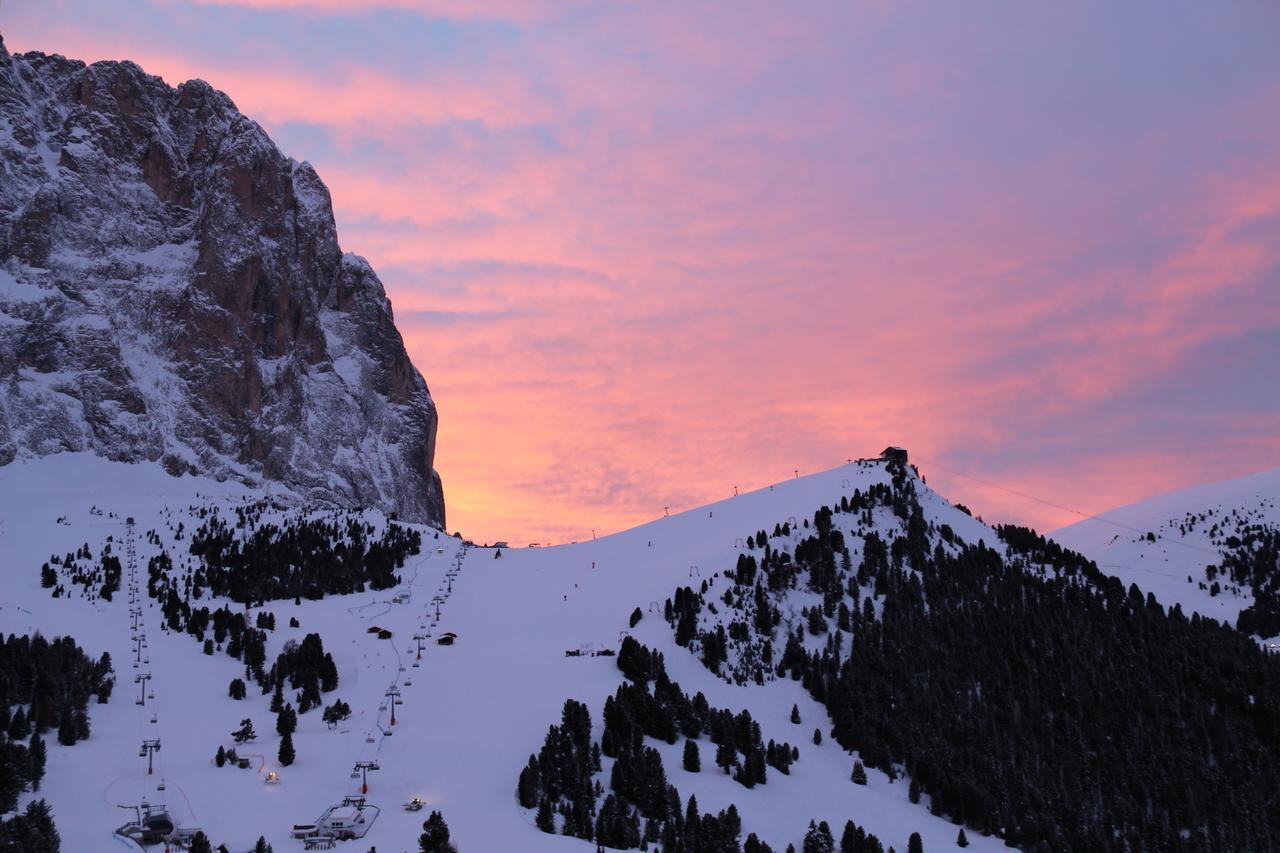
{"points": [[408, 682], [399, 701], [153, 719], [368, 739], [382, 707], [355, 774], [160, 787]]}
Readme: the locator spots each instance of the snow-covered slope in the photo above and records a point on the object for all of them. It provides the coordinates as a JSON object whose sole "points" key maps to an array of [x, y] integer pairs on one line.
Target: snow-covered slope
{"points": [[471, 712], [1164, 544], [172, 289]]}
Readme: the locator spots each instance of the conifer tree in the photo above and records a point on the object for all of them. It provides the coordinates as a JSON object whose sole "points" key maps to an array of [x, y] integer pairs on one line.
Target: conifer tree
{"points": [[530, 784], [915, 844], [245, 733], [859, 776], [435, 836], [545, 819], [962, 840], [795, 714], [37, 754], [692, 756], [726, 756], [286, 754], [200, 844]]}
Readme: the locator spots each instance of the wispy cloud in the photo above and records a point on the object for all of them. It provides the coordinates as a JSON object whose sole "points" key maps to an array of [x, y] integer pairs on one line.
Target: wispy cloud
{"points": [[647, 252]]}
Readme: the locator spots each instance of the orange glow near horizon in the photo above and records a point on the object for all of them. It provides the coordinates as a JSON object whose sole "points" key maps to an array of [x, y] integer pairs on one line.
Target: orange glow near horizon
{"points": [[643, 255]]}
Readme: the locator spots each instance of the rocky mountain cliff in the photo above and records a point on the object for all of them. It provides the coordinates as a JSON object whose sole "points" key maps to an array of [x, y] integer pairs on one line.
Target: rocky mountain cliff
{"points": [[172, 289]]}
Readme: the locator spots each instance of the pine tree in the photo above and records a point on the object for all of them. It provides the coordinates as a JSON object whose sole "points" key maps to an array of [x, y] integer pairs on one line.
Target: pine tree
{"points": [[817, 737], [545, 820], [236, 690], [435, 836], [67, 728], [245, 733], [795, 714], [286, 754], [277, 698], [530, 784], [37, 754], [221, 758], [859, 776], [915, 844], [962, 840], [819, 839], [286, 721], [262, 846], [200, 844], [18, 725], [726, 756], [692, 756]]}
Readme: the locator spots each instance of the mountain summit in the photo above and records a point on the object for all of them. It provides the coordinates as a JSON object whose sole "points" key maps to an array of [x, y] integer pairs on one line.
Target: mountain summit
{"points": [[172, 290]]}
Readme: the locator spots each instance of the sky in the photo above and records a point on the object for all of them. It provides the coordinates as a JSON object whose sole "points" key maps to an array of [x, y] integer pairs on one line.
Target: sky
{"points": [[648, 253]]}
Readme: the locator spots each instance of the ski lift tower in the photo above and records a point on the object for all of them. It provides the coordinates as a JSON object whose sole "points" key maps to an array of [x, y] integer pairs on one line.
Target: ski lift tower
{"points": [[437, 601], [393, 699], [363, 768], [142, 678], [420, 639], [149, 749]]}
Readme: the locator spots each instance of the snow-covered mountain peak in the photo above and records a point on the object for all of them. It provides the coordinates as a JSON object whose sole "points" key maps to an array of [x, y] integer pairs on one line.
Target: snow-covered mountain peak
{"points": [[172, 289]]}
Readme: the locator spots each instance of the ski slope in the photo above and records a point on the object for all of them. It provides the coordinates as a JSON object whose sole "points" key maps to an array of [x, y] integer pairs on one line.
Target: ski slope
{"points": [[1117, 540], [471, 713]]}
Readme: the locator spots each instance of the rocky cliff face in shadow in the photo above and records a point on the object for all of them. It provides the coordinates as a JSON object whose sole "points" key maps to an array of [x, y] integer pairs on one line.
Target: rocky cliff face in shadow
{"points": [[171, 289]]}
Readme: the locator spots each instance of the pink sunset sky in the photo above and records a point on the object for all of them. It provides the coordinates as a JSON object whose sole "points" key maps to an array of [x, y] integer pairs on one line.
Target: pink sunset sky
{"points": [[645, 252]]}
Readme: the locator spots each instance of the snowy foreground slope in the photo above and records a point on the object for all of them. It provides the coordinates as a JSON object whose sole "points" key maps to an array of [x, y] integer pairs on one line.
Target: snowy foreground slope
{"points": [[471, 713], [1161, 542]]}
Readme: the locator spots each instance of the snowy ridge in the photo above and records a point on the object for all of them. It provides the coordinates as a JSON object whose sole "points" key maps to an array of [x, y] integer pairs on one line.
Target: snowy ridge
{"points": [[457, 743], [1189, 530]]}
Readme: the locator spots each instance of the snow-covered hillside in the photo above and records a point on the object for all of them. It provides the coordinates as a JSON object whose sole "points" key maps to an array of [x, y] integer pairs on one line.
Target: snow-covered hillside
{"points": [[1164, 544], [471, 713]]}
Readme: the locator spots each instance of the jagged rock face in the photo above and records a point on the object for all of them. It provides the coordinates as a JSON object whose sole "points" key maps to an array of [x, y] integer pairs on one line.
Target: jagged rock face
{"points": [[171, 289]]}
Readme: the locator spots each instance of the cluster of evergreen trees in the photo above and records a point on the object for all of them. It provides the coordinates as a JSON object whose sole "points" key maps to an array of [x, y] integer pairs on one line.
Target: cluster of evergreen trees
{"points": [[1254, 559], [303, 558], [44, 685], [308, 668], [31, 831], [101, 580], [641, 807], [1029, 695]]}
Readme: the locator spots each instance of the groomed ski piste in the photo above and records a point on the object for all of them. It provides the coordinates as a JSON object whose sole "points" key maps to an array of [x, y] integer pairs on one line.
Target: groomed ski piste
{"points": [[471, 712]]}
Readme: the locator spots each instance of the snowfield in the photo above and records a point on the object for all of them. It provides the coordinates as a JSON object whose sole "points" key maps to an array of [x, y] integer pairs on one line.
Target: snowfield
{"points": [[472, 712]]}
